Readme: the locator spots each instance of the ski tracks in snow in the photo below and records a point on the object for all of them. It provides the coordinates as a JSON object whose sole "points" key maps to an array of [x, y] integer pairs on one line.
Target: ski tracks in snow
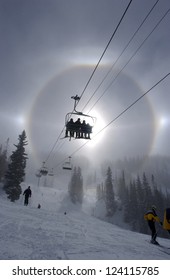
{"points": [[38, 234]]}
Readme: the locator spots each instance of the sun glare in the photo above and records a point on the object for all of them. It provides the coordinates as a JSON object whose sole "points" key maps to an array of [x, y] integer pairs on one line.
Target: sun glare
{"points": [[97, 135], [20, 120], [163, 121]]}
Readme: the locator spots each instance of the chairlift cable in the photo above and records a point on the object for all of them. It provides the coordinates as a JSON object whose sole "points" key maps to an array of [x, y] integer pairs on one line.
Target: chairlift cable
{"points": [[93, 72], [112, 82], [118, 116], [111, 38], [77, 98], [124, 111], [133, 103], [115, 78], [115, 62], [54, 144], [130, 59]]}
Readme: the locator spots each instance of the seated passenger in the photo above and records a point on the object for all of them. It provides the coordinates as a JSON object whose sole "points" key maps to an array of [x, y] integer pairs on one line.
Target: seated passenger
{"points": [[70, 128], [83, 129], [78, 128], [88, 130]]}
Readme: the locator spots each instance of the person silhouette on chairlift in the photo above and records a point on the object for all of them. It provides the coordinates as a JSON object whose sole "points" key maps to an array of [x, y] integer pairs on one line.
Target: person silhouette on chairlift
{"points": [[78, 128], [70, 128], [83, 129], [88, 130]]}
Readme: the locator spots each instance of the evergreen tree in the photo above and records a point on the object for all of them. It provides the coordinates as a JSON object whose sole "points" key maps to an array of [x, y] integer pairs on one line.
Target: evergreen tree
{"points": [[126, 205], [79, 189], [100, 192], [158, 198], [147, 191], [16, 169], [133, 207], [141, 205], [76, 186], [123, 194], [3, 162], [122, 189], [109, 194]]}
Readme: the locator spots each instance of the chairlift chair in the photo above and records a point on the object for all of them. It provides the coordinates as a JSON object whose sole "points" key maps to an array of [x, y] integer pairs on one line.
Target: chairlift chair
{"points": [[67, 164], [38, 174], [77, 129], [43, 170], [50, 173]]}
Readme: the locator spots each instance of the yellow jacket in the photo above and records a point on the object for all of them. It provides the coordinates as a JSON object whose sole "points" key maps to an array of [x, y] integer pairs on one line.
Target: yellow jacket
{"points": [[150, 216], [166, 222]]}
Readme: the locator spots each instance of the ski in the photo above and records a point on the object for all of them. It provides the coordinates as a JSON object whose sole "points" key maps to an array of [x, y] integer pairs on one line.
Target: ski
{"points": [[158, 245], [163, 251]]}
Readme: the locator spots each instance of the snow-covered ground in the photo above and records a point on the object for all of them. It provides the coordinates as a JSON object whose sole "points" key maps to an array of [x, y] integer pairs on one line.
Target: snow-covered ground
{"points": [[62, 231]]}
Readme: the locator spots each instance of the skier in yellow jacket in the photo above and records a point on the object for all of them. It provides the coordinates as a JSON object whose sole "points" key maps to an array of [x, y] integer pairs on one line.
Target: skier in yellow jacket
{"points": [[166, 222], [151, 218]]}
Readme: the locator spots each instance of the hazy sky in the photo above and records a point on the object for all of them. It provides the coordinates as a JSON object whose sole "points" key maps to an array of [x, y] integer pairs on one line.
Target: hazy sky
{"points": [[48, 51]]}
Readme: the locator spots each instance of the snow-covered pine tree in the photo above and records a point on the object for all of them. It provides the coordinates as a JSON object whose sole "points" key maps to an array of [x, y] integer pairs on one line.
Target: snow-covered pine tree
{"points": [[76, 186], [109, 194], [16, 169]]}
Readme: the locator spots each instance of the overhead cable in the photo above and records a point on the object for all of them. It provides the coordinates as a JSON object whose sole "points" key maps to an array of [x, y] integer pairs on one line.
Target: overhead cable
{"points": [[130, 59], [111, 38], [123, 112], [109, 71]]}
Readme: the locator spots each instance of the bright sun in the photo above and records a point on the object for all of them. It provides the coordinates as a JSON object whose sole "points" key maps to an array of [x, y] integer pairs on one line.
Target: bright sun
{"points": [[98, 126]]}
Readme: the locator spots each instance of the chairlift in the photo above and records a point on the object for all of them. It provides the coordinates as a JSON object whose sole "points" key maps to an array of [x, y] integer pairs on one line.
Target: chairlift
{"points": [[43, 170], [81, 128], [50, 173], [38, 174], [67, 164]]}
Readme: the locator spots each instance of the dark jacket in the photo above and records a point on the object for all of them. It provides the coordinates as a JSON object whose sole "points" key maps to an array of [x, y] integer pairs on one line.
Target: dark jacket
{"points": [[27, 192]]}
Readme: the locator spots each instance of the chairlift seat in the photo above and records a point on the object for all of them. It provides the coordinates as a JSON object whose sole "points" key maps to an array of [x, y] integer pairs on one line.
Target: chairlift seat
{"points": [[67, 167]]}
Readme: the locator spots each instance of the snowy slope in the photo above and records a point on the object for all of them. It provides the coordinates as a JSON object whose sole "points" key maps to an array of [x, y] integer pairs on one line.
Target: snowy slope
{"points": [[48, 233]]}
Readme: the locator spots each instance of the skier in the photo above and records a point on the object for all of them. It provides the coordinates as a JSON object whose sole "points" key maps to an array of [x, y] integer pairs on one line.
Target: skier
{"points": [[166, 223], [151, 218], [27, 194]]}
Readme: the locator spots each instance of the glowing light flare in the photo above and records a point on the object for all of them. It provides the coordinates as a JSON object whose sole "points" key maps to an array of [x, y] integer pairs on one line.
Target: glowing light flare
{"points": [[88, 57], [164, 121], [20, 120], [14, 119], [97, 129]]}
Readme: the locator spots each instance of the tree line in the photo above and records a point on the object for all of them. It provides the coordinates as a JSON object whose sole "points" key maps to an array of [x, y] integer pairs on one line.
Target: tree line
{"points": [[133, 198], [130, 197]]}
